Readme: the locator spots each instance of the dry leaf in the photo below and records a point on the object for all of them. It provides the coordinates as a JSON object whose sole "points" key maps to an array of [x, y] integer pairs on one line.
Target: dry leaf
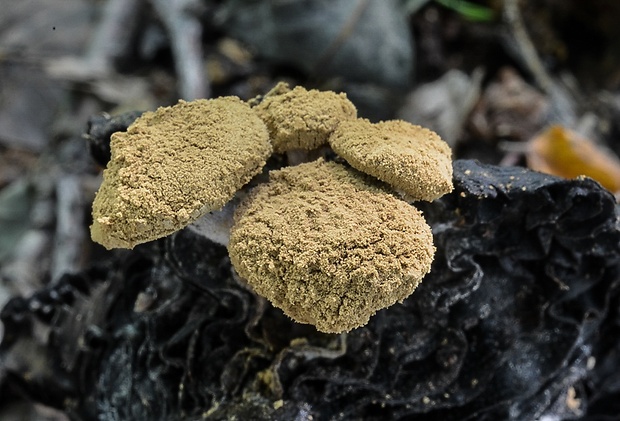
{"points": [[565, 153]]}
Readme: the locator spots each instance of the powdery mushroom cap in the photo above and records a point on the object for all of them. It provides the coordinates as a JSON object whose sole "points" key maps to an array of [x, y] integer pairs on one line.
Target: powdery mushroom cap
{"points": [[328, 247], [173, 166], [410, 158], [302, 119]]}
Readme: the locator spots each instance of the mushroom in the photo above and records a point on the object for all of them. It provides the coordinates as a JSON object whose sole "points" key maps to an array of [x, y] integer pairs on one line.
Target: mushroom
{"points": [[410, 158], [324, 242], [329, 245], [302, 119], [173, 166]]}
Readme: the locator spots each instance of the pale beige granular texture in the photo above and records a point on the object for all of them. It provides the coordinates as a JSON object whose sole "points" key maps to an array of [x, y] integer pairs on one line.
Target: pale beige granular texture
{"points": [[173, 166], [302, 119], [410, 158], [327, 247]]}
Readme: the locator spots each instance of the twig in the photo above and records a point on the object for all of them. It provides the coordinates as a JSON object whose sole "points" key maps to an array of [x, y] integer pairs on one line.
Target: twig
{"points": [[562, 104], [111, 40], [70, 235], [341, 38], [185, 33], [525, 46], [114, 33]]}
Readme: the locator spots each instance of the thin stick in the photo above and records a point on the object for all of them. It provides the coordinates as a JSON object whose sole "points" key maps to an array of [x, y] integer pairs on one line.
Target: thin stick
{"points": [[185, 33], [523, 42], [70, 234]]}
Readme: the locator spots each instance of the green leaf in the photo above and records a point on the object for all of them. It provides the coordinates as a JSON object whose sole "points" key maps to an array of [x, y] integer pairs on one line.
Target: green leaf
{"points": [[468, 10]]}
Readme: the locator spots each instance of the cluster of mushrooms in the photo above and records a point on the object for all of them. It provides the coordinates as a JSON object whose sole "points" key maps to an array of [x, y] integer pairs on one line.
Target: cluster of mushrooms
{"points": [[327, 234]]}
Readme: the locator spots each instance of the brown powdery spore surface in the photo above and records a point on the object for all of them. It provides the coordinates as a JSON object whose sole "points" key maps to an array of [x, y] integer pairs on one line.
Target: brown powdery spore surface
{"points": [[302, 119], [328, 246], [174, 165], [412, 159]]}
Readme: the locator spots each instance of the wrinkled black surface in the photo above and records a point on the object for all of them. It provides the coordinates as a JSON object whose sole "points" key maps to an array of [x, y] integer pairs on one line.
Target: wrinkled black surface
{"points": [[522, 305]]}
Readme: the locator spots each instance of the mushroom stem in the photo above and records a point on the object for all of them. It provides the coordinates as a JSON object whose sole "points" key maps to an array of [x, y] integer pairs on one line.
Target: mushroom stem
{"points": [[301, 156], [216, 225]]}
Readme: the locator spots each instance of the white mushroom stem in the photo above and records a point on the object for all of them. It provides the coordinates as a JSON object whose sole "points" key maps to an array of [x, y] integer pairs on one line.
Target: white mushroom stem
{"points": [[216, 225]]}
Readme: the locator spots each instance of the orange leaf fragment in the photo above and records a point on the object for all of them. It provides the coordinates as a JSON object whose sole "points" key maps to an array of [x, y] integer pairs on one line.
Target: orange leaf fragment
{"points": [[565, 153]]}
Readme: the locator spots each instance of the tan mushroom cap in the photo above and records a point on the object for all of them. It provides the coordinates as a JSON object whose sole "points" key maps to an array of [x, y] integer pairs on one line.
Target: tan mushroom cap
{"points": [[410, 158], [328, 247], [174, 165], [302, 119]]}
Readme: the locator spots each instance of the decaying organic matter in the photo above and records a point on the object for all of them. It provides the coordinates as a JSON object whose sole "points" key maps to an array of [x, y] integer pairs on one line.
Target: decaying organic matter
{"points": [[518, 320]]}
